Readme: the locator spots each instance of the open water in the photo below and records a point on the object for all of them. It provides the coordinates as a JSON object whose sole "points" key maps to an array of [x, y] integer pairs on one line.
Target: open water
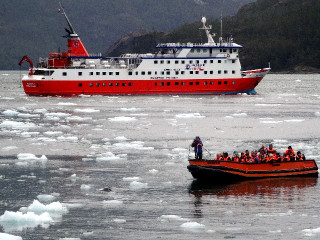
{"points": [[115, 167]]}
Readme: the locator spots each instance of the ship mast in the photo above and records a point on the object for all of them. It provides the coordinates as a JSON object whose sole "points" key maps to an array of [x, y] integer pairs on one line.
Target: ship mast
{"points": [[68, 21], [209, 35]]}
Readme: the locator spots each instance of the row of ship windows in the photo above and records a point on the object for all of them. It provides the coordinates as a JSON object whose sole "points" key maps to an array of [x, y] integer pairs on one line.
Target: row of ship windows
{"points": [[189, 62], [221, 50], [156, 73], [110, 84]]}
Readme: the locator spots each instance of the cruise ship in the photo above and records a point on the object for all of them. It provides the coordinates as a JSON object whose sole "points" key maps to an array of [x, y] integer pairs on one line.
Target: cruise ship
{"points": [[174, 68]]}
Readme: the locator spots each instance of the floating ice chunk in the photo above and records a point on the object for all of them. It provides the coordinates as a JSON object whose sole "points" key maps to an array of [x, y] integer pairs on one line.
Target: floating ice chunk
{"points": [[19, 221], [130, 179], [193, 226], [179, 150], [117, 220], [122, 119], [108, 156], [57, 114], [6, 236], [68, 139], [271, 122], [85, 187], [39, 208], [78, 119], [66, 104], [294, 120], [298, 80], [16, 125], [135, 185], [170, 218], [112, 203], [40, 110], [120, 138], [189, 115], [317, 114], [46, 197], [69, 238], [73, 177], [10, 113], [86, 110], [30, 156], [138, 145], [28, 115], [311, 232], [133, 109], [239, 114], [153, 171], [8, 148], [53, 133], [228, 117]]}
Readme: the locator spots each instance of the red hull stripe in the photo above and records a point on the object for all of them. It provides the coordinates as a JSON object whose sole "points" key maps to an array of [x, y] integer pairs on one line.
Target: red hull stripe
{"points": [[166, 86]]}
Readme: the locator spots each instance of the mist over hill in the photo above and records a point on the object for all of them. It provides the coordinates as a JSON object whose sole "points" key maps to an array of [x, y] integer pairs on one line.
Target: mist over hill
{"points": [[34, 27], [285, 33]]}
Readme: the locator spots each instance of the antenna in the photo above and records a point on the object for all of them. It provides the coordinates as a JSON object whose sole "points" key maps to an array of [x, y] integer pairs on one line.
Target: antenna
{"points": [[220, 39], [67, 19]]}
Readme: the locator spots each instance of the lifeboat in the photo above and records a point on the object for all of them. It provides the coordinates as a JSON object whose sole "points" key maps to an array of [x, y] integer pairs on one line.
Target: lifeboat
{"points": [[228, 171]]}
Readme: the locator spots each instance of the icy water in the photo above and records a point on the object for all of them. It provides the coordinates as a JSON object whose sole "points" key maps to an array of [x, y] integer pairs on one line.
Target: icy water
{"points": [[99, 167]]}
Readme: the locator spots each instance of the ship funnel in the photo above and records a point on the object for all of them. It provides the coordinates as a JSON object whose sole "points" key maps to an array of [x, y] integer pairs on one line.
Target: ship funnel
{"points": [[75, 45]]}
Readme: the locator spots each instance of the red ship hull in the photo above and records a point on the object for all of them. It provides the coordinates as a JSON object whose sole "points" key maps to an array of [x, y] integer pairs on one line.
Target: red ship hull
{"points": [[129, 87], [222, 171]]}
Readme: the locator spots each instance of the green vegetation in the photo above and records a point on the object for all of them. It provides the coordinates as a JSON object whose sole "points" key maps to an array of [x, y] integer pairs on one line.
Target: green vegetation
{"points": [[285, 33], [34, 27]]}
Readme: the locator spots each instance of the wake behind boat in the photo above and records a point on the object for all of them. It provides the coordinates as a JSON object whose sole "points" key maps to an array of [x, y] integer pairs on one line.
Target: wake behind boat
{"points": [[176, 68]]}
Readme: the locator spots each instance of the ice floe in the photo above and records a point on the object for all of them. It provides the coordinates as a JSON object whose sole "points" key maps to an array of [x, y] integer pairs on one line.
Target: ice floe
{"points": [[10, 113], [9, 148], [109, 156], [153, 171], [135, 185], [138, 145], [17, 125], [170, 218], [122, 119], [78, 119], [189, 115], [54, 208], [311, 232], [117, 220], [130, 179], [193, 226], [85, 187], [112, 203], [86, 110], [31, 157], [133, 109], [6, 236], [68, 139], [17, 221], [120, 139], [66, 104], [317, 114], [46, 197]]}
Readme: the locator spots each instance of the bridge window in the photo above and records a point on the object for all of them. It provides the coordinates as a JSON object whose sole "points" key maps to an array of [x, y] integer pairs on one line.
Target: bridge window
{"points": [[64, 74], [191, 72], [155, 61], [183, 62], [211, 61], [219, 61], [219, 72], [110, 73], [130, 73], [176, 61], [97, 73], [225, 71], [233, 72], [117, 73], [104, 73], [211, 72], [79, 73], [149, 73]]}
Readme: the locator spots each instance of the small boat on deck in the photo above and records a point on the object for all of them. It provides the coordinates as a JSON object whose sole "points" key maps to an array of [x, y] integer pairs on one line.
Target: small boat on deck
{"points": [[223, 171]]}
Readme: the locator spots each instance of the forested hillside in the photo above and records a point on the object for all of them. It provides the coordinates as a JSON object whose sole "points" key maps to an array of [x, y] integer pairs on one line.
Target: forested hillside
{"points": [[285, 33], [34, 27]]}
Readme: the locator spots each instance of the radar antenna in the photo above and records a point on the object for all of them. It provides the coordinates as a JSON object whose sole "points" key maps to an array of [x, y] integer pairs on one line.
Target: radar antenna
{"points": [[204, 27]]}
